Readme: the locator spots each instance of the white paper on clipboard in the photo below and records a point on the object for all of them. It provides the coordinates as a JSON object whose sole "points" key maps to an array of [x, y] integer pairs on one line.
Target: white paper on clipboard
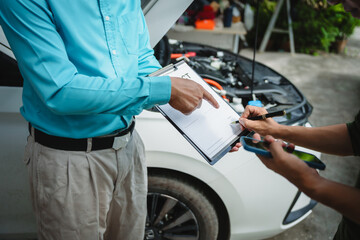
{"points": [[208, 129]]}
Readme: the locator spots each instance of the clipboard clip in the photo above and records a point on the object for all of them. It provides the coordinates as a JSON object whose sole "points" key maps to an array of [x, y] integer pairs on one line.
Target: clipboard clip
{"points": [[164, 70]]}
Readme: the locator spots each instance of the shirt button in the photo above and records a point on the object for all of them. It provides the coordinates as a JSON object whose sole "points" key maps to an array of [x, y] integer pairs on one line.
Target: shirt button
{"points": [[107, 18], [114, 52]]}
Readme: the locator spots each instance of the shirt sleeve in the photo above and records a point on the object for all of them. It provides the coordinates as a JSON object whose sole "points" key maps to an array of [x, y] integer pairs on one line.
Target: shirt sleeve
{"points": [[43, 61], [147, 61]]}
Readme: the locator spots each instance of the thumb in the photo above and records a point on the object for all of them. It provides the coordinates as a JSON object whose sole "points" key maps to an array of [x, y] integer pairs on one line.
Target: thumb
{"points": [[242, 123], [246, 123], [276, 148]]}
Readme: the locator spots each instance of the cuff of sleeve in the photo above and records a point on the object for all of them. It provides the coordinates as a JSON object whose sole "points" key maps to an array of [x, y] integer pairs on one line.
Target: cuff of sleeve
{"points": [[160, 90]]}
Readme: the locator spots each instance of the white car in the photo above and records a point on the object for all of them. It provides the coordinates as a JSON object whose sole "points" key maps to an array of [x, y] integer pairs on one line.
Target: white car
{"points": [[237, 198]]}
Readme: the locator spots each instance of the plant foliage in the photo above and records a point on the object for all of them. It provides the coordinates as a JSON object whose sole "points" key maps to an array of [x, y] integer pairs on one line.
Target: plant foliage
{"points": [[316, 25]]}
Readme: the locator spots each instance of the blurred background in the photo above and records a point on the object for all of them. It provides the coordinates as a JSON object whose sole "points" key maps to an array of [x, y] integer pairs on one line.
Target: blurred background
{"points": [[316, 26]]}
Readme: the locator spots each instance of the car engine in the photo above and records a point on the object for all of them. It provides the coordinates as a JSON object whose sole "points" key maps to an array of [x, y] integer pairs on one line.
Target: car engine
{"points": [[230, 75]]}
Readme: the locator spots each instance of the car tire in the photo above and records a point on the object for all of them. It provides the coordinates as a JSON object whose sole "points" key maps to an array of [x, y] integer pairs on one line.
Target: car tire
{"points": [[179, 210]]}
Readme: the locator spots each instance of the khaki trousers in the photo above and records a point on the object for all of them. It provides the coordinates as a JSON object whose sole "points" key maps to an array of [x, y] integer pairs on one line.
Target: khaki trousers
{"points": [[89, 195]]}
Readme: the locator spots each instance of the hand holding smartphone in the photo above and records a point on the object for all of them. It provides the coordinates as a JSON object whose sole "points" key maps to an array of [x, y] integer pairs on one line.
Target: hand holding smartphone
{"points": [[260, 147]]}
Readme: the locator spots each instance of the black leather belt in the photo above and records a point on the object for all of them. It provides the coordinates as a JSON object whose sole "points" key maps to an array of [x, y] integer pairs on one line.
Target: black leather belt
{"points": [[72, 144]]}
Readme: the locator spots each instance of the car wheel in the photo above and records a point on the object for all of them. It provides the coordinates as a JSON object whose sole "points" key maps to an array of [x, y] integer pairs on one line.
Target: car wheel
{"points": [[178, 210]]}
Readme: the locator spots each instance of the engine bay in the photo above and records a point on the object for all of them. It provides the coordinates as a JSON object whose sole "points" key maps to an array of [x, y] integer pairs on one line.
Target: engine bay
{"points": [[230, 75]]}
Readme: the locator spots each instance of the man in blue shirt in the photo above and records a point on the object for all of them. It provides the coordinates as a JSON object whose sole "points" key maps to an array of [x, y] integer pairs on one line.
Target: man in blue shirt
{"points": [[85, 66]]}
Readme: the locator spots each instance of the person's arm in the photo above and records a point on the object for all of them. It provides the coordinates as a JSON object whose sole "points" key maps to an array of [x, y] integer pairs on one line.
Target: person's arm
{"points": [[185, 95], [332, 139], [44, 63], [147, 63], [344, 199]]}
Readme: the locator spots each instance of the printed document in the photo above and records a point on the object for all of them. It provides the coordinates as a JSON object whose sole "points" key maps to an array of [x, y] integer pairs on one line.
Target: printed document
{"points": [[207, 128]]}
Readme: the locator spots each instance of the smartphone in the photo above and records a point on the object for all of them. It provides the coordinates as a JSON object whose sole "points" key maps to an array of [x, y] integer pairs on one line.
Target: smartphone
{"points": [[260, 147]]}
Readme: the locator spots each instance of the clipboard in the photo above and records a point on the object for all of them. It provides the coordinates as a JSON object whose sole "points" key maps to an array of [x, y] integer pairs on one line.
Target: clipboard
{"points": [[207, 129]]}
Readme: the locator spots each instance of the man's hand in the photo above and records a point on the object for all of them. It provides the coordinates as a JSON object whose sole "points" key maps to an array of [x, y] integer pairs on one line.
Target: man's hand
{"points": [[187, 95], [236, 147], [252, 111], [340, 197], [264, 127], [286, 164]]}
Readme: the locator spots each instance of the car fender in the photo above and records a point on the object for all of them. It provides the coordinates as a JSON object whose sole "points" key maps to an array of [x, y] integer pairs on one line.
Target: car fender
{"points": [[180, 156]]}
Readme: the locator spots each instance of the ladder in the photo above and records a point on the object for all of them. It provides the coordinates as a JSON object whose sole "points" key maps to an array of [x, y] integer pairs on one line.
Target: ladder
{"points": [[271, 27]]}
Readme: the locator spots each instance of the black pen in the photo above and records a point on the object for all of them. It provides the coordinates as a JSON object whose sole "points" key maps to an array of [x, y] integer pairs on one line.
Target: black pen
{"points": [[264, 116]]}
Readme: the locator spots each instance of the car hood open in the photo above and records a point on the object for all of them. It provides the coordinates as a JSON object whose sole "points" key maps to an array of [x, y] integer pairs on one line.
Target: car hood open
{"points": [[160, 15]]}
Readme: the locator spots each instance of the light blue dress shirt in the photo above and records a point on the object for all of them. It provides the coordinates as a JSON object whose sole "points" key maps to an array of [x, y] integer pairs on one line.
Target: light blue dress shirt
{"points": [[84, 64]]}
